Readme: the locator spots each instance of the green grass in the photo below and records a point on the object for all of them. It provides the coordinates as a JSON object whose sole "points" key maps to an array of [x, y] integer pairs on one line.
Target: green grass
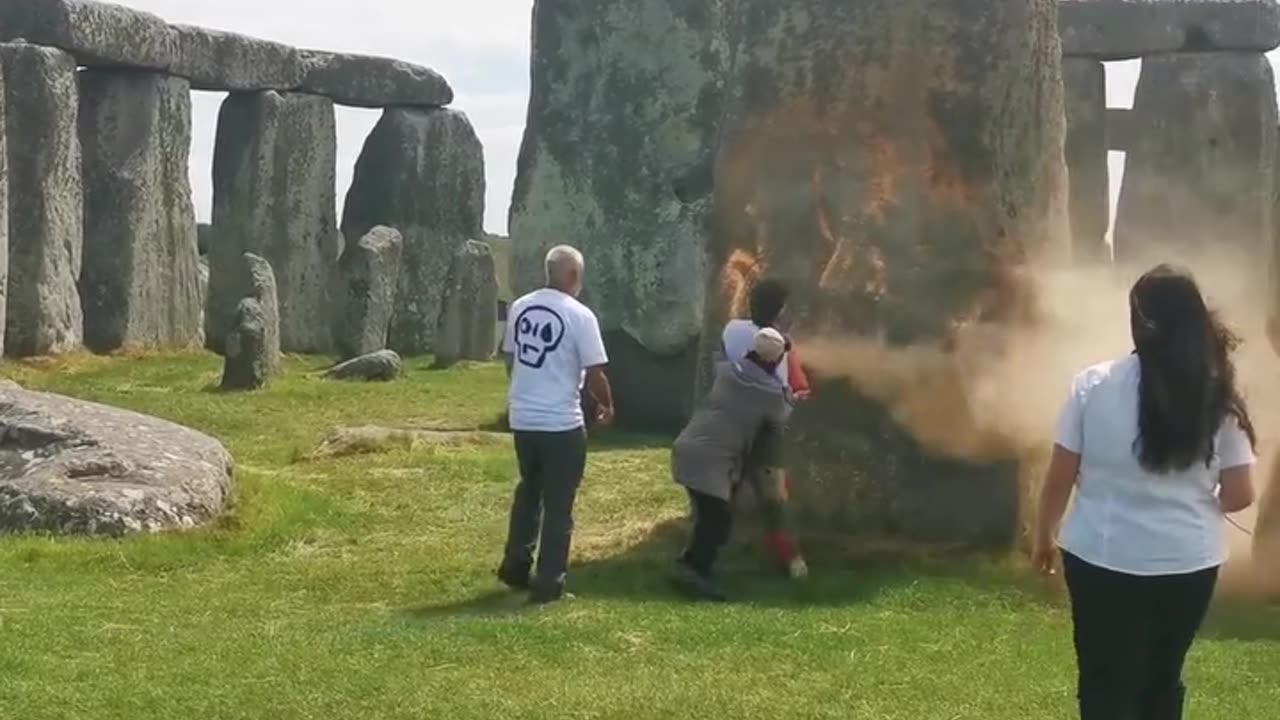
{"points": [[361, 588]]}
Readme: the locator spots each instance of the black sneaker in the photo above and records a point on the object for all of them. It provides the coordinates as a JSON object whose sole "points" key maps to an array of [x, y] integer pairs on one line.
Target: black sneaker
{"points": [[547, 595], [697, 585], [513, 579]]}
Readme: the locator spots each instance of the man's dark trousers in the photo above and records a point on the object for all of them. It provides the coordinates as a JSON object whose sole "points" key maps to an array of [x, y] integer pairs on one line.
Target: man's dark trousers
{"points": [[551, 467]]}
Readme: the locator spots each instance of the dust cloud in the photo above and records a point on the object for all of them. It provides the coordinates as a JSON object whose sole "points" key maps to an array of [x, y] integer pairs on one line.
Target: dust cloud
{"points": [[995, 392]]}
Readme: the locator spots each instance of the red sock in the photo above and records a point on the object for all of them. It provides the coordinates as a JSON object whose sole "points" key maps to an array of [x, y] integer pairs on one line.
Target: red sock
{"points": [[783, 547]]}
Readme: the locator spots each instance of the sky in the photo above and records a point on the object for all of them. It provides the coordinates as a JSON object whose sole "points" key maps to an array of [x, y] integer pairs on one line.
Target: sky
{"points": [[481, 46]]}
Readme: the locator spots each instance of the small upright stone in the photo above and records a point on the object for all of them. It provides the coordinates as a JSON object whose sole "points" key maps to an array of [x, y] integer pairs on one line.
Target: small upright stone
{"points": [[470, 307], [248, 362], [382, 366], [421, 172], [204, 237], [257, 280], [140, 286], [369, 271], [46, 202]]}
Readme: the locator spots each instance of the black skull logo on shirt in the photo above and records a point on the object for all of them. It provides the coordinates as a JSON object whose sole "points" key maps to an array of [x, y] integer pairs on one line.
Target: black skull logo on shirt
{"points": [[539, 331]]}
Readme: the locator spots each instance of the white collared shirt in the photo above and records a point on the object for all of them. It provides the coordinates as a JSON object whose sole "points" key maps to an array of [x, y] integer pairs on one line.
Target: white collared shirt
{"points": [[1123, 517]]}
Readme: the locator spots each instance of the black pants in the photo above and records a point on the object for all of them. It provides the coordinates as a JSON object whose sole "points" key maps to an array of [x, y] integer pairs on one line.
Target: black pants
{"points": [[1132, 635], [551, 466], [712, 524]]}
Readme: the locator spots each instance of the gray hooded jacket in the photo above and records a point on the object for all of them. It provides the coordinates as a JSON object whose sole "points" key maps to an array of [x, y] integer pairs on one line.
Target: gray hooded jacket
{"points": [[708, 456]]}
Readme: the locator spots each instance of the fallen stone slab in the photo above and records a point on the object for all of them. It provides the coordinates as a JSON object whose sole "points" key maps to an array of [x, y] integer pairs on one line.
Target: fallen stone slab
{"points": [[382, 366], [96, 33], [372, 82], [1126, 29], [370, 439], [222, 61], [140, 284], [77, 468], [46, 200]]}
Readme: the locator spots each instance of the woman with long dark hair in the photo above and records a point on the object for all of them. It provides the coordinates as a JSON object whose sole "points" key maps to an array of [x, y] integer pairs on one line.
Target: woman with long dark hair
{"points": [[1158, 448]]}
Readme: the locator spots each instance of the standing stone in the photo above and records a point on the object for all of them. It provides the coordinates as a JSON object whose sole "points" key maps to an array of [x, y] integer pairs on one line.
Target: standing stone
{"points": [[248, 357], [470, 307], [204, 236], [46, 204], [369, 271], [4, 213], [1085, 82], [1199, 177], [257, 280], [203, 269], [421, 172], [616, 160], [140, 285], [897, 163], [273, 195]]}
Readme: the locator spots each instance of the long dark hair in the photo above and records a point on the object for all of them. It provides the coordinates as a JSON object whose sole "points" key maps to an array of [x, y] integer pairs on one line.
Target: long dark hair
{"points": [[1188, 384]]}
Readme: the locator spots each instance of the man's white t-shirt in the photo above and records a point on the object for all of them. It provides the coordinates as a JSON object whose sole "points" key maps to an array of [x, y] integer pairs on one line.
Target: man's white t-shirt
{"points": [[1123, 517], [552, 340], [738, 339]]}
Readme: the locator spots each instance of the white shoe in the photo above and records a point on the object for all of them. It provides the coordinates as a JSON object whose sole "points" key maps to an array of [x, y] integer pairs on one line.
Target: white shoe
{"points": [[798, 570]]}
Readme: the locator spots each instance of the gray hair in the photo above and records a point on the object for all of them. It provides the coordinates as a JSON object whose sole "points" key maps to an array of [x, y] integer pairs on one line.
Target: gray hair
{"points": [[561, 259]]}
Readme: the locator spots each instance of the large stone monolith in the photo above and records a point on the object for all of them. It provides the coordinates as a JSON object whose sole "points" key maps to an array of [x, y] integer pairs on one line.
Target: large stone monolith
{"points": [[1085, 82], [140, 287], [1199, 175], [897, 163], [616, 160], [46, 204], [273, 195], [422, 172], [4, 213]]}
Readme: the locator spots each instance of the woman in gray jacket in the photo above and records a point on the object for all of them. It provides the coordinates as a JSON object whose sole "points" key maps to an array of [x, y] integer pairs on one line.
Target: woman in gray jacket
{"points": [[746, 405]]}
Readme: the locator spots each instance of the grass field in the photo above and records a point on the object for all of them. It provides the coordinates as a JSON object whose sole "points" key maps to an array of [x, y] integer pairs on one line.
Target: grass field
{"points": [[362, 587]]}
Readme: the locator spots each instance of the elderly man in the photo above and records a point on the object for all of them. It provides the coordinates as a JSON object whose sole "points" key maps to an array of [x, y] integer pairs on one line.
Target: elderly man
{"points": [[552, 346]]}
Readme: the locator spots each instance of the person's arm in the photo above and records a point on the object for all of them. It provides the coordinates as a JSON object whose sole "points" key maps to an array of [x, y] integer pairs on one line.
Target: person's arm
{"points": [[1236, 491], [594, 358], [508, 344], [796, 376], [1059, 481], [1235, 482]]}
